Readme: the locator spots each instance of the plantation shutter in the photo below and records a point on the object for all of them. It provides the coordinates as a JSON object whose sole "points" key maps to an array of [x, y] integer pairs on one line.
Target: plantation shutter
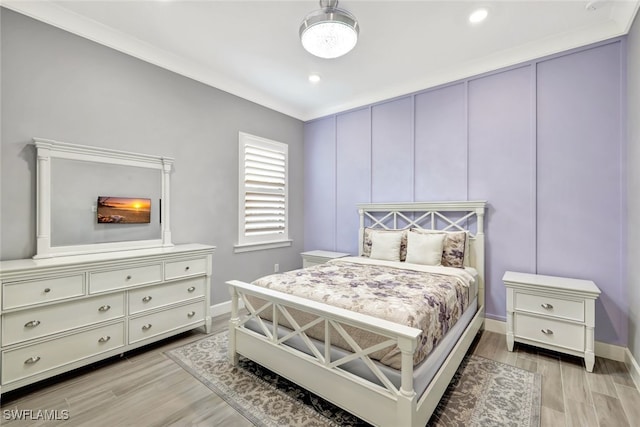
{"points": [[265, 190]]}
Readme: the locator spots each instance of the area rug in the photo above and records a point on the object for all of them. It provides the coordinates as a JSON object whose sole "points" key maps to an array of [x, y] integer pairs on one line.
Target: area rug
{"points": [[482, 393]]}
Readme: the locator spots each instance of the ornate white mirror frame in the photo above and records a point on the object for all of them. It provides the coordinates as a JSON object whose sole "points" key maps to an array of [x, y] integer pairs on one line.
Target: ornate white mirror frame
{"points": [[49, 149]]}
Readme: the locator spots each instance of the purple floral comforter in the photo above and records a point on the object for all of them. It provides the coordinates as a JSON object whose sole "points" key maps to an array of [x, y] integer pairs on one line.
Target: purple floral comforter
{"points": [[428, 298]]}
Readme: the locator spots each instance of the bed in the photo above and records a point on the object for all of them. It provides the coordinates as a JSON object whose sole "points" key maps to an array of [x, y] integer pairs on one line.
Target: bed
{"points": [[385, 372]]}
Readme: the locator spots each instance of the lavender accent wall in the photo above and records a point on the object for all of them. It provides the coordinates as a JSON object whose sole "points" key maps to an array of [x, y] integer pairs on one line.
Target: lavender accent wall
{"points": [[579, 163], [392, 151], [320, 183], [353, 175], [441, 132], [541, 142], [502, 171]]}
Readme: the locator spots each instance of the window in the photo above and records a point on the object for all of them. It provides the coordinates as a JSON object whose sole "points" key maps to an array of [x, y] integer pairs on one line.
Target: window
{"points": [[263, 207]]}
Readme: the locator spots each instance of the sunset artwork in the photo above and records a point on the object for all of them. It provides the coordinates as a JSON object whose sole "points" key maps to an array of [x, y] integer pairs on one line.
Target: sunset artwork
{"points": [[123, 210]]}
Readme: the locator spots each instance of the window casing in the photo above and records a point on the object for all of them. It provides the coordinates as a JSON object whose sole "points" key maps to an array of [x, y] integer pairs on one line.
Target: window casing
{"points": [[263, 194]]}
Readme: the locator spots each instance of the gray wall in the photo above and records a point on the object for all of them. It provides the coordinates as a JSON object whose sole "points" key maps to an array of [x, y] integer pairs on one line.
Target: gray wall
{"points": [[60, 86], [633, 160]]}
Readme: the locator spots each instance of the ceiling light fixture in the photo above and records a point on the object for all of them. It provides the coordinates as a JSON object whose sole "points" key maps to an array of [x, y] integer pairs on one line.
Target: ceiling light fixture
{"points": [[329, 32], [478, 16], [314, 78]]}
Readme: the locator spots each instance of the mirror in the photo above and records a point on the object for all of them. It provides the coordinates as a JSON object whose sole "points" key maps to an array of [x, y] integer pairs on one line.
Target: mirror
{"points": [[70, 180]]}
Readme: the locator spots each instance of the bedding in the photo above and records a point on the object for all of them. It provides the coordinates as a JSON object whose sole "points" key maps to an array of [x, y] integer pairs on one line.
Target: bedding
{"points": [[367, 240], [430, 298], [386, 246], [454, 249], [425, 248]]}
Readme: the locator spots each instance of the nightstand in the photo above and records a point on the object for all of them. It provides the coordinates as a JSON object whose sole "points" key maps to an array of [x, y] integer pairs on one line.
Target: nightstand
{"points": [[556, 313], [311, 258]]}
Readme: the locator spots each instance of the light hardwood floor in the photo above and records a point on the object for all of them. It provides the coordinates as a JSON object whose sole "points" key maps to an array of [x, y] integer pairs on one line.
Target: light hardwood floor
{"points": [[145, 388]]}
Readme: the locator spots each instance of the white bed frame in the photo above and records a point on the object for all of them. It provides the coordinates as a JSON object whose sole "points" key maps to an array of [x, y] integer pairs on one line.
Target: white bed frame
{"points": [[384, 405]]}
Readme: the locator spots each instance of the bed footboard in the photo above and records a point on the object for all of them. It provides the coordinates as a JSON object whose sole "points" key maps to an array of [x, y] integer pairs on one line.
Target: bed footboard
{"points": [[315, 370]]}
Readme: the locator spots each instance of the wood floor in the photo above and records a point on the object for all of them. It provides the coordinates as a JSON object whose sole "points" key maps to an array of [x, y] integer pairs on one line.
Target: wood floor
{"points": [[144, 388]]}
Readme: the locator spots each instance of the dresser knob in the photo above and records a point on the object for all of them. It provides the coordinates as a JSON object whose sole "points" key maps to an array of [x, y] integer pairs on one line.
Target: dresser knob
{"points": [[104, 339], [32, 324], [186, 268], [147, 298], [32, 360], [191, 314], [128, 277], [105, 307], [146, 327], [547, 331], [191, 289], [546, 306], [47, 290]]}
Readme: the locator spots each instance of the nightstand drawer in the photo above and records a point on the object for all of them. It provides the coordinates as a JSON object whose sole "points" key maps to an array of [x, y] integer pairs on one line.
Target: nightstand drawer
{"points": [[550, 332], [311, 258], [550, 306]]}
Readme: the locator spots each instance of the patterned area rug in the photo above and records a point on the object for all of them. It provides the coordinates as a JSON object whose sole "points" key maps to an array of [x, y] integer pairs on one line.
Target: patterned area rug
{"points": [[482, 393]]}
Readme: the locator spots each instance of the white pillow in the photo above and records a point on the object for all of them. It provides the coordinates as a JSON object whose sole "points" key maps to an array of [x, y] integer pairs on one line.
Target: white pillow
{"points": [[386, 246], [425, 248]]}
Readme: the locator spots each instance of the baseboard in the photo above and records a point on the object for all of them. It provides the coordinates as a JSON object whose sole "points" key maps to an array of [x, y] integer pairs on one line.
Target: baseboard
{"points": [[632, 366], [495, 326], [608, 351], [223, 308]]}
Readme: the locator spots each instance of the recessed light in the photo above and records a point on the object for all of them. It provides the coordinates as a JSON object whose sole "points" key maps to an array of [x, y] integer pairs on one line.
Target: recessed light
{"points": [[478, 16], [314, 78]]}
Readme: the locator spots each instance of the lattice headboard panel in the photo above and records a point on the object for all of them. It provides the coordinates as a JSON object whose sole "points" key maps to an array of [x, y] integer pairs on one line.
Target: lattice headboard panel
{"points": [[446, 216]]}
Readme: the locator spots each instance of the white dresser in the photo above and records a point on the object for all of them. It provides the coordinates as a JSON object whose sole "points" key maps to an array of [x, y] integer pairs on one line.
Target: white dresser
{"points": [[311, 258], [61, 313], [556, 313]]}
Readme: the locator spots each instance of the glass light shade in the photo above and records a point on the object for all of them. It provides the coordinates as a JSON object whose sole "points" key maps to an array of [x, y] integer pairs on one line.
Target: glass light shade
{"points": [[329, 33]]}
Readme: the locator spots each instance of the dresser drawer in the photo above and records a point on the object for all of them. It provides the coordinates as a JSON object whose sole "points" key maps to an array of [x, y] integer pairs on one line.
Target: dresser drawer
{"points": [[550, 306], [549, 331], [160, 295], [158, 323], [29, 324], [21, 294], [186, 268], [117, 279], [34, 359]]}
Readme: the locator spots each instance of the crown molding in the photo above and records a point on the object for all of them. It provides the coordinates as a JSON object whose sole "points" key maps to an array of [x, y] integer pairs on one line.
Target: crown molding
{"points": [[52, 14]]}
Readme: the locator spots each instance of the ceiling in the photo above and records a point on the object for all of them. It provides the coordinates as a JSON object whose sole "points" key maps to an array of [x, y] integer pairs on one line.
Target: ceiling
{"points": [[252, 49]]}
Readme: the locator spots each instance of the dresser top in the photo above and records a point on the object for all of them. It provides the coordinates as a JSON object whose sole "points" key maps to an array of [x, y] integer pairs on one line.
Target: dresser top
{"points": [[63, 261], [555, 282]]}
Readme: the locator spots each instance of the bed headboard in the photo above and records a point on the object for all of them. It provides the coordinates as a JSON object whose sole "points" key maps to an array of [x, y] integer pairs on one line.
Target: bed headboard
{"points": [[446, 216]]}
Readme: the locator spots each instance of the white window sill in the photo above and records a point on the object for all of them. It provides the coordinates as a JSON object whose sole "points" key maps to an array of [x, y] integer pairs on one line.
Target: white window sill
{"points": [[249, 247]]}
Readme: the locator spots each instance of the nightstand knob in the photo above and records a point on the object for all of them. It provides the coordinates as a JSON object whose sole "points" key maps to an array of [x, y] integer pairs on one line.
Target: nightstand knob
{"points": [[146, 299], [105, 307], [47, 290], [32, 324], [547, 331], [191, 288], [546, 306], [146, 327], [191, 314], [104, 339]]}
